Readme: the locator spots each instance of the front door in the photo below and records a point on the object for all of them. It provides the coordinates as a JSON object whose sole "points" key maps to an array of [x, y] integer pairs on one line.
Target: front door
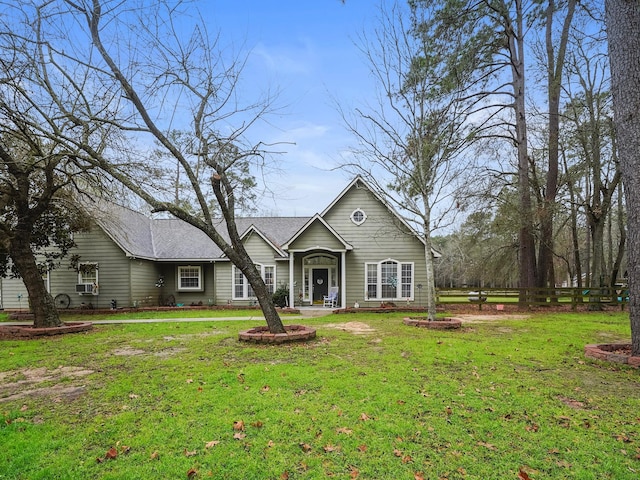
{"points": [[320, 279]]}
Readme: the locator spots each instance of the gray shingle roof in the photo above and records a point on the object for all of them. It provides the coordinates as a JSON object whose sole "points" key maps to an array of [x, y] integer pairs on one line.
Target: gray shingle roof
{"points": [[172, 239]]}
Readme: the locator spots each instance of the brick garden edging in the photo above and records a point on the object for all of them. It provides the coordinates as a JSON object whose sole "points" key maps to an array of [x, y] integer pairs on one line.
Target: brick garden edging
{"points": [[610, 352], [27, 332], [440, 324], [295, 333]]}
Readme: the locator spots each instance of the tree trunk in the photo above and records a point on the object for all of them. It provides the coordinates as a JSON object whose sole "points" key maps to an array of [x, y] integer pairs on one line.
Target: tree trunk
{"points": [[526, 245], [623, 30], [555, 66], [264, 299], [615, 270], [430, 281], [42, 305]]}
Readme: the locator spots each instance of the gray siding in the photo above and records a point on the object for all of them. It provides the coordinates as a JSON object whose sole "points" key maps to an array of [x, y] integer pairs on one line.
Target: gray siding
{"points": [[260, 252], [11, 288], [380, 237], [144, 275], [113, 271], [316, 235]]}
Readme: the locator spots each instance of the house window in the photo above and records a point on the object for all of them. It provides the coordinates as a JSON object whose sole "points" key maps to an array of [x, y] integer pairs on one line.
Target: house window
{"points": [[358, 216], [241, 287], [190, 278], [389, 280], [87, 278]]}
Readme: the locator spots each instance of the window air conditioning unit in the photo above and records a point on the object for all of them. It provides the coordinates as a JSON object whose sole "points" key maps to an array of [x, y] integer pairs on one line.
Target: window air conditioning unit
{"points": [[84, 288]]}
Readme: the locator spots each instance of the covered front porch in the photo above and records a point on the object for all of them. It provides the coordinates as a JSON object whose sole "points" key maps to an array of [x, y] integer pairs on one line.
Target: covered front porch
{"points": [[313, 274]]}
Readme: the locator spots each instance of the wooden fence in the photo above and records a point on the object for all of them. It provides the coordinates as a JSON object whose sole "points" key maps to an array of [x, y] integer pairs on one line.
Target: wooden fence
{"points": [[535, 296]]}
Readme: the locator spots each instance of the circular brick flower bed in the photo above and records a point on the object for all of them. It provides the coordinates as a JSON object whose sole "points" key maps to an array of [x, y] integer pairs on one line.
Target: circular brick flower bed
{"points": [[295, 333], [612, 352], [27, 331], [439, 324]]}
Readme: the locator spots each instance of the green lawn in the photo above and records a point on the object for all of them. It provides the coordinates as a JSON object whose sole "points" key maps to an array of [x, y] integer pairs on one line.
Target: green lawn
{"points": [[396, 402]]}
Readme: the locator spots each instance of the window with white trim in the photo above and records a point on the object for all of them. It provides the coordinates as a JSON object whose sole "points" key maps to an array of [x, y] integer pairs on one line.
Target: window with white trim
{"points": [[389, 280], [242, 289], [358, 216], [88, 273], [190, 278]]}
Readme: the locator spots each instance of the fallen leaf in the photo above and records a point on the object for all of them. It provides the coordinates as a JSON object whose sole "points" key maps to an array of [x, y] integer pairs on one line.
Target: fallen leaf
{"points": [[284, 476], [363, 448], [397, 453], [192, 473], [125, 449], [241, 377], [487, 445], [401, 402], [364, 417], [239, 435], [331, 448], [99, 460], [344, 430], [239, 425], [448, 410], [133, 396], [407, 459], [111, 454], [418, 476], [522, 475], [189, 380], [211, 444], [191, 453], [462, 471], [24, 408], [155, 456], [622, 437], [257, 424], [354, 472], [266, 388], [306, 447], [270, 444]]}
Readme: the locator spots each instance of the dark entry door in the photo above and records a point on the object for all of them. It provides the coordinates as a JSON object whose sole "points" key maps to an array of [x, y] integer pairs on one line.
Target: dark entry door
{"points": [[320, 280]]}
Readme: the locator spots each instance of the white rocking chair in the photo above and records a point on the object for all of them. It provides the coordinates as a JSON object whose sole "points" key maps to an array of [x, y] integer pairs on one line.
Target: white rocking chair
{"points": [[331, 300]]}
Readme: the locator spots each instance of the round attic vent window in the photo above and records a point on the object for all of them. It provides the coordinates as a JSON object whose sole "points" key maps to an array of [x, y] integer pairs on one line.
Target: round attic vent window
{"points": [[358, 216]]}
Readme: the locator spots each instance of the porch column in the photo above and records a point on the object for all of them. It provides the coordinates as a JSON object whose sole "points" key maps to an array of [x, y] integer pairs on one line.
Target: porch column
{"points": [[292, 297], [343, 280]]}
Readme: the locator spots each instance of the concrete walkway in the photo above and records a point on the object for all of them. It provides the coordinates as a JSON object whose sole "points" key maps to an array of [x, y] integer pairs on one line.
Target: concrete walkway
{"points": [[304, 313]]}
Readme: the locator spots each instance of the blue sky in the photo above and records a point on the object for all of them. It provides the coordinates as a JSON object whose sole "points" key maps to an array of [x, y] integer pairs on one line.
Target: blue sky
{"points": [[306, 49]]}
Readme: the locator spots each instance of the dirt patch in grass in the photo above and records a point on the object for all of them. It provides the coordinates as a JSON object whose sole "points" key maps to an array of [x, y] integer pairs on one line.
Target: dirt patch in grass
{"points": [[473, 318], [357, 328], [60, 383]]}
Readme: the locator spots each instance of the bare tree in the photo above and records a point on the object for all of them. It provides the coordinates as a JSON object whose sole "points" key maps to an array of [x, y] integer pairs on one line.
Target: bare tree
{"points": [[122, 75], [408, 140], [623, 32]]}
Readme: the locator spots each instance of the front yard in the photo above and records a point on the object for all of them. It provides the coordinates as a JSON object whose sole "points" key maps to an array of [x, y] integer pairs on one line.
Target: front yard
{"points": [[369, 399]]}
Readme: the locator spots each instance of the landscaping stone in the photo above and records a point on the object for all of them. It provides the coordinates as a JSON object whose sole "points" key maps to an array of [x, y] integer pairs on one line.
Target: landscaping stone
{"points": [[295, 333], [612, 352], [26, 331]]}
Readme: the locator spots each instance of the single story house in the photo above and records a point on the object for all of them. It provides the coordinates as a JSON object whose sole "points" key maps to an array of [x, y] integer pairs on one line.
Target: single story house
{"points": [[358, 245]]}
